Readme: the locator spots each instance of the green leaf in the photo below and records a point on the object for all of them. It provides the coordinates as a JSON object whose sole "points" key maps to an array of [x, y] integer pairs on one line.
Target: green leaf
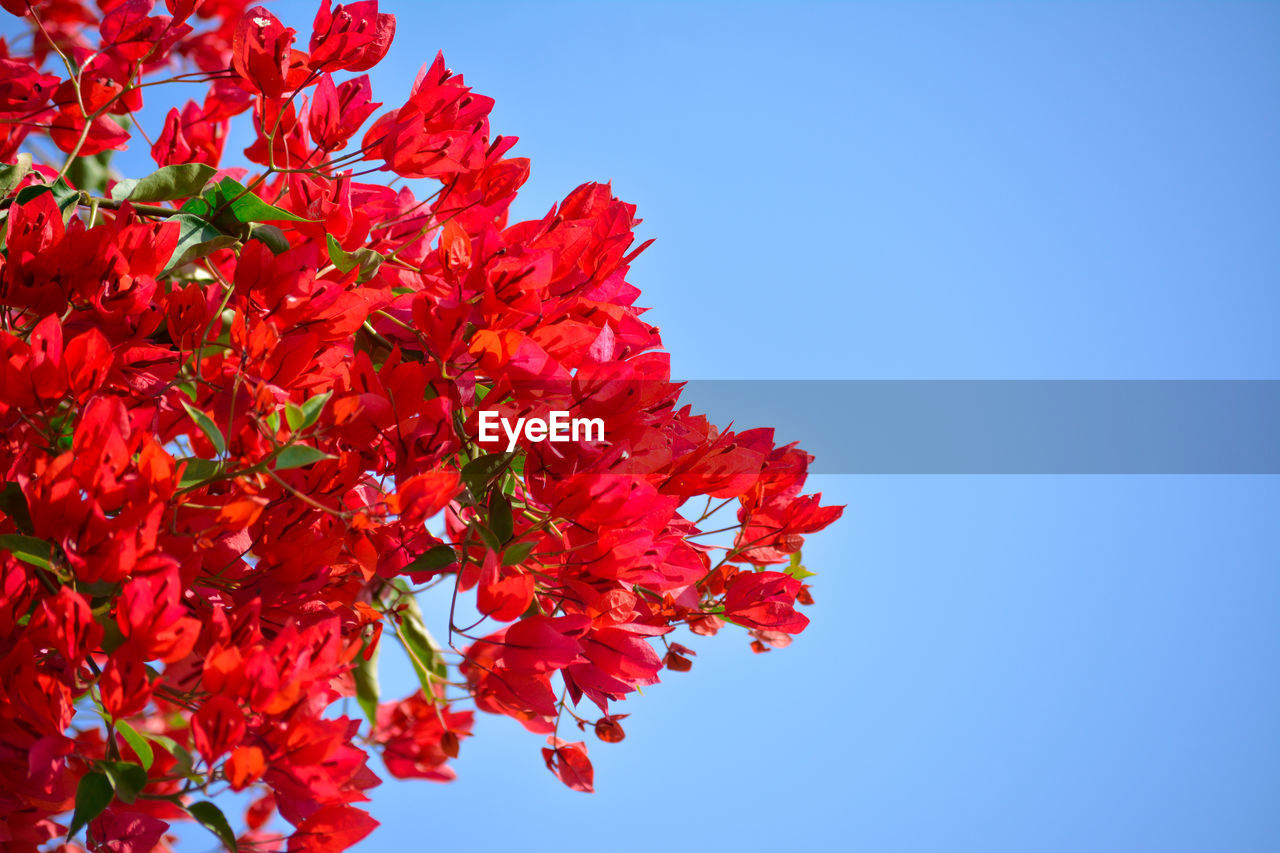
{"points": [[91, 173], [500, 520], [13, 503], [28, 549], [65, 197], [207, 426], [189, 388], [293, 416], [517, 553], [11, 174], [211, 818], [137, 742], [229, 195], [436, 558], [197, 471], [796, 570], [312, 408], [93, 795], [196, 239], [128, 779], [165, 184], [272, 236], [367, 259], [477, 473], [490, 540], [367, 691], [183, 760], [298, 455], [424, 651], [273, 422]]}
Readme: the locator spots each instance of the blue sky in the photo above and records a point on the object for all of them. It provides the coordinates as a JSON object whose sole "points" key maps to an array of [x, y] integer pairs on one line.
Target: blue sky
{"points": [[932, 191], [916, 190]]}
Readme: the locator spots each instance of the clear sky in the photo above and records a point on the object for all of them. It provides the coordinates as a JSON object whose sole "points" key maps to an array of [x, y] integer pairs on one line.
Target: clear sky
{"points": [[917, 190]]}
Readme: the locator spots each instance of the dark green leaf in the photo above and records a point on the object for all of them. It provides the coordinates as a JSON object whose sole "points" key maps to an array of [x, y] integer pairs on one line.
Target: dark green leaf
{"points": [[128, 779], [137, 742], [11, 174], [298, 455], [93, 795], [271, 235], [487, 536], [28, 549], [211, 818], [207, 426], [196, 239], [517, 553], [166, 183], [500, 520], [13, 503], [477, 473], [367, 259], [436, 558], [197, 471], [367, 691]]}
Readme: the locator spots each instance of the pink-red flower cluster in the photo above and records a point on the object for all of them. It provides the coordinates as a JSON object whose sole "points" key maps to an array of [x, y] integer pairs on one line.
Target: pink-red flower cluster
{"points": [[231, 402]]}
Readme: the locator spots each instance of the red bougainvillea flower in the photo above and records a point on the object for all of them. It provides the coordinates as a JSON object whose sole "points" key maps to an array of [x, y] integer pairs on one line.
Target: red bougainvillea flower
{"points": [[241, 430], [352, 37]]}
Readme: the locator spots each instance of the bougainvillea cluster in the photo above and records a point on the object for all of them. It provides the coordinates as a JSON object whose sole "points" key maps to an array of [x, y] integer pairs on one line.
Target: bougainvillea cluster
{"points": [[232, 398]]}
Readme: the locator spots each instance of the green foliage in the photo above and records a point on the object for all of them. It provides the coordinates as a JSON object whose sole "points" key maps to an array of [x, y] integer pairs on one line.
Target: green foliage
{"points": [[367, 259], [197, 471], [367, 690], [11, 174], [230, 198], [165, 184], [211, 818], [93, 795], [298, 456], [196, 239], [207, 426], [13, 503], [28, 549], [517, 553], [435, 558], [424, 652], [477, 473], [137, 742], [127, 778]]}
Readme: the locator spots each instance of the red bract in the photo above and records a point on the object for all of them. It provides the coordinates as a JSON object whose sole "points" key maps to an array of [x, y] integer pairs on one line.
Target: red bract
{"points": [[765, 600], [23, 89], [443, 129], [240, 415], [352, 37], [569, 762], [338, 112], [262, 53], [190, 136]]}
